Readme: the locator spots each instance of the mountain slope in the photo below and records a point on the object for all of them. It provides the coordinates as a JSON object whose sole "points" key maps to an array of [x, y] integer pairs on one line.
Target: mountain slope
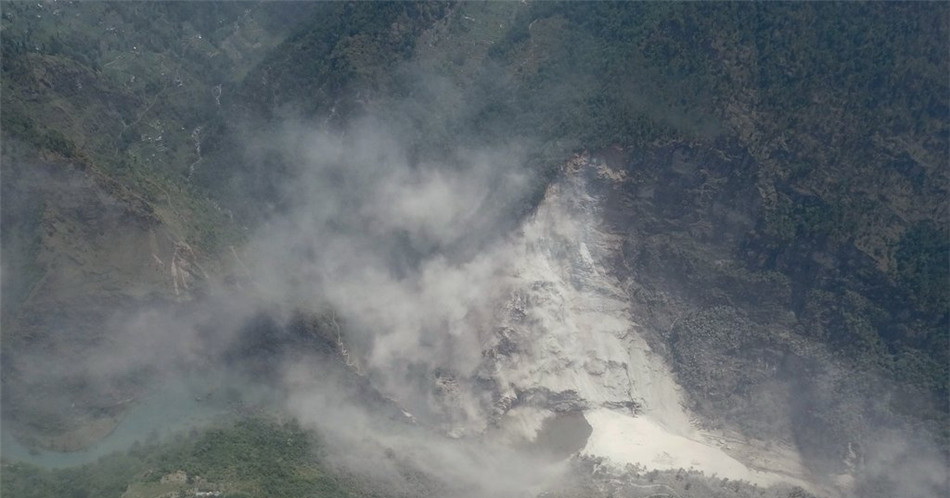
{"points": [[764, 195]]}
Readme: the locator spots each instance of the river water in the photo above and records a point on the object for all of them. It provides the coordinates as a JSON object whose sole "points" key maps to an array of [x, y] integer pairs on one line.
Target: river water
{"points": [[176, 406]]}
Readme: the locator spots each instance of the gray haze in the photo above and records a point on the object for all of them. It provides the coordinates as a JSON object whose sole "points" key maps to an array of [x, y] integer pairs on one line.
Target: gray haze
{"points": [[410, 259]]}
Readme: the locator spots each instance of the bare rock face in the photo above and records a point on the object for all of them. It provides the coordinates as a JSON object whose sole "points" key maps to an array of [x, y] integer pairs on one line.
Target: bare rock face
{"points": [[566, 341], [566, 355]]}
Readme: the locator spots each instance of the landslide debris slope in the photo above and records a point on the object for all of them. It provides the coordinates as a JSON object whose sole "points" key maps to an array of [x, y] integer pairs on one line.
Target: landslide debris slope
{"points": [[778, 182]]}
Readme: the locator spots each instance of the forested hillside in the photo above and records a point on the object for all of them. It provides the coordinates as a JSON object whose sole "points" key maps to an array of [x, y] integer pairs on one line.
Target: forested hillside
{"points": [[780, 196]]}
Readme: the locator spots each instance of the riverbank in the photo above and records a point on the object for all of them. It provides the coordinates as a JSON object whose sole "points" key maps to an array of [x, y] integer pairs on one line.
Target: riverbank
{"points": [[175, 406]]}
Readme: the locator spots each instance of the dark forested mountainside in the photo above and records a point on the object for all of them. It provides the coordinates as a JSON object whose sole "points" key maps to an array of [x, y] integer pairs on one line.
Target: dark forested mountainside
{"points": [[784, 204], [831, 121], [132, 89], [787, 186], [104, 109]]}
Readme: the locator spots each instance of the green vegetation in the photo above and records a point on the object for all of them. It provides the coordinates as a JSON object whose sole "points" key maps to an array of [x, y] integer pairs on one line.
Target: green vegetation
{"points": [[129, 89], [922, 268], [344, 54], [253, 458], [786, 168], [842, 111]]}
